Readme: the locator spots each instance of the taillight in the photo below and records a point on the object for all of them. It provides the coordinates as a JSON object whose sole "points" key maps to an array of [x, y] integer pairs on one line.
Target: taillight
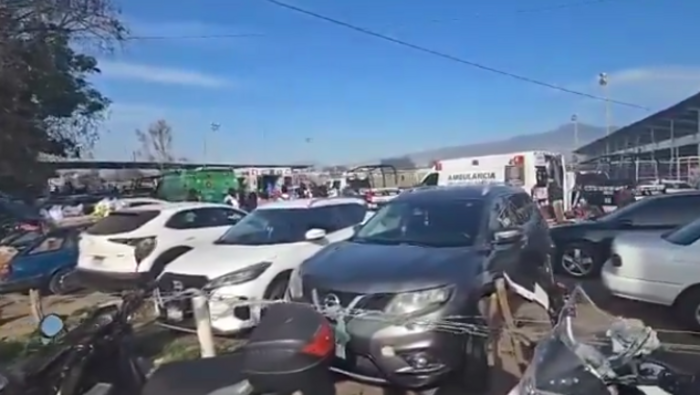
{"points": [[323, 342], [143, 246]]}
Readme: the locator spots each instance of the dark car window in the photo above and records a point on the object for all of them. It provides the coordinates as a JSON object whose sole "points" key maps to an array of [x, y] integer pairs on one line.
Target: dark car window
{"points": [[349, 215], [273, 226], [48, 244], [522, 207], [685, 235], [121, 222], [667, 210], [431, 179], [207, 217], [501, 215], [453, 223]]}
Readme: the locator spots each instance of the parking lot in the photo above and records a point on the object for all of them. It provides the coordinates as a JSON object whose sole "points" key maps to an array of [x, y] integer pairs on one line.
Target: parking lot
{"points": [[17, 322]]}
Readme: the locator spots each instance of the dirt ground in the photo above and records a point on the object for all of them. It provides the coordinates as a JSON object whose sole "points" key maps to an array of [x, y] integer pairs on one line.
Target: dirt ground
{"points": [[16, 322]]}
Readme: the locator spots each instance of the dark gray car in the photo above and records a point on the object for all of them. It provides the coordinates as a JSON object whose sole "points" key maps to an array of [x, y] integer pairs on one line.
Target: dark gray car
{"points": [[429, 255]]}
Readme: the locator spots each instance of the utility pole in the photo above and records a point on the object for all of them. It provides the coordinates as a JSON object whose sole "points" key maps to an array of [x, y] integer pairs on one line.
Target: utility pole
{"points": [[603, 82], [213, 127]]}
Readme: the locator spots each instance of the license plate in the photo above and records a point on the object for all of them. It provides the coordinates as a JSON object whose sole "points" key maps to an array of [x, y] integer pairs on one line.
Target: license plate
{"points": [[174, 314]]}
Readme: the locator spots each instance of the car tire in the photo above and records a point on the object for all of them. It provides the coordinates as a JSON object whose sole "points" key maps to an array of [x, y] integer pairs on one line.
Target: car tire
{"points": [[56, 284], [277, 288], [687, 308], [589, 264]]}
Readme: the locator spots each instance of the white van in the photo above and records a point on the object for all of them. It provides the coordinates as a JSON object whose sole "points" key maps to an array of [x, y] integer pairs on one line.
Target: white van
{"points": [[526, 169]]}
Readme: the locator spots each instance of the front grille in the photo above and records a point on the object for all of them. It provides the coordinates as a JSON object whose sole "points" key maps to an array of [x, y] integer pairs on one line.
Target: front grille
{"points": [[377, 301], [169, 284]]}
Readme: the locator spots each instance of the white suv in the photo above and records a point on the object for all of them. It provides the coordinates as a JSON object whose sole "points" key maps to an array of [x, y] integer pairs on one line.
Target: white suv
{"points": [[254, 258], [133, 245]]}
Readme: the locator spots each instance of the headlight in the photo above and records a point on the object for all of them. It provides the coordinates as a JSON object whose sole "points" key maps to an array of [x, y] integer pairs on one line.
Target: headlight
{"points": [[295, 289], [239, 276], [411, 302]]}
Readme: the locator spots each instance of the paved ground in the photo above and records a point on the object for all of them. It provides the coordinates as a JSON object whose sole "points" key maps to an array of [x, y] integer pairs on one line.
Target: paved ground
{"points": [[15, 322]]}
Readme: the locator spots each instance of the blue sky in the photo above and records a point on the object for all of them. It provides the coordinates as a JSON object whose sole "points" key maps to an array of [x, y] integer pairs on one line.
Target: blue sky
{"points": [[307, 90]]}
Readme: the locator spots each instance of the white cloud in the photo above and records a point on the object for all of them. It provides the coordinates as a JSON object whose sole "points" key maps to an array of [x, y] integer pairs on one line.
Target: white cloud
{"points": [[159, 74], [657, 74], [655, 87]]}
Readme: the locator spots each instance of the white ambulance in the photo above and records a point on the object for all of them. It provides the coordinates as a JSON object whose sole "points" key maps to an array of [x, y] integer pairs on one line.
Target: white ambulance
{"points": [[529, 170]]}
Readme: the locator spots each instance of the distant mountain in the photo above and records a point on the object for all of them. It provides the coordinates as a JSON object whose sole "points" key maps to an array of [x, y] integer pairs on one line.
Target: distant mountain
{"points": [[560, 139]]}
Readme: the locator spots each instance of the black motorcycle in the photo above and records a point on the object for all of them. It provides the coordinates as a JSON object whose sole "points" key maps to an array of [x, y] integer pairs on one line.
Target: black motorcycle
{"points": [[97, 354], [591, 353], [289, 351]]}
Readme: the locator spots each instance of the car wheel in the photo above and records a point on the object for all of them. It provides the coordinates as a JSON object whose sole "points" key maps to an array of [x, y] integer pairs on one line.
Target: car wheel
{"points": [[57, 283], [578, 260], [277, 288], [687, 308]]}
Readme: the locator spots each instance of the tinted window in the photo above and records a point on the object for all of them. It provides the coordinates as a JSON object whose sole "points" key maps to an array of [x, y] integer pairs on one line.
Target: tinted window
{"points": [[350, 214], [48, 244], [431, 179], [501, 215], [685, 235], [262, 227], [204, 218], [434, 224], [522, 207], [121, 222], [668, 210]]}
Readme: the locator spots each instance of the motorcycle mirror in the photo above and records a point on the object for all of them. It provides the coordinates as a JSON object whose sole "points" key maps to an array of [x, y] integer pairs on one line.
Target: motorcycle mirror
{"points": [[51, 325]]}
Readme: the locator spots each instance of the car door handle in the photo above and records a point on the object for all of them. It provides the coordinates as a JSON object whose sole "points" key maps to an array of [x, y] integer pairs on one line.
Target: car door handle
{"points": [[190, 238]]}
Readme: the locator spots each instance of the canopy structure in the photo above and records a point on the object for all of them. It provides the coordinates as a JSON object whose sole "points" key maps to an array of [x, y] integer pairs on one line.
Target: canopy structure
{"points": [[671, 133]]}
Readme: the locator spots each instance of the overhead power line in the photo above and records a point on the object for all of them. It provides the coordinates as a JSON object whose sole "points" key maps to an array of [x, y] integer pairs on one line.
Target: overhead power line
{"points": [[452, 58]]}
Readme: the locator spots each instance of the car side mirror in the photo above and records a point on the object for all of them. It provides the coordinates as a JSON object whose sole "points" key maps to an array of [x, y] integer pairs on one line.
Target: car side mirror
{"points": [[51, 325], [509, 236], [315, 234]]}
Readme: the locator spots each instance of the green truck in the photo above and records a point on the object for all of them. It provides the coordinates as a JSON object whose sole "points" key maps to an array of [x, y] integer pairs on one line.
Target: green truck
{"points": [[211, 185]]}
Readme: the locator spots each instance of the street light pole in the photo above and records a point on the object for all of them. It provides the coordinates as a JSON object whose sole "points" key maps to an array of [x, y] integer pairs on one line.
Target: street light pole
{"points": [[603, 82], [213, 127]]}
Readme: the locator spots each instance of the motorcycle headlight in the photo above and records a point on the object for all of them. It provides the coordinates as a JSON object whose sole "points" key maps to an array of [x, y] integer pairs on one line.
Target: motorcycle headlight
{"points": [[411, 302], [295, 289], [239, 276]]}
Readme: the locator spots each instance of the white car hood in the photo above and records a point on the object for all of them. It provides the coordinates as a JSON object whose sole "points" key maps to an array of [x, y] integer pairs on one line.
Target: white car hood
{"points": [[216, 260], [641, 239]]}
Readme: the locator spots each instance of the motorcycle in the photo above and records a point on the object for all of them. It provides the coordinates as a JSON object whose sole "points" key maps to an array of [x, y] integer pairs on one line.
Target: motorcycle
{"points": [[96, 357], [600, 355], [290, 350]]}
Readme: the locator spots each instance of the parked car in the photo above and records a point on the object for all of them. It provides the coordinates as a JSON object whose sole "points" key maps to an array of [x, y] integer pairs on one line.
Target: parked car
{"points": [[15, 214], [659, 269], [582, 248], [44, 264], [427, 255], [253, 260], [133, 245]]}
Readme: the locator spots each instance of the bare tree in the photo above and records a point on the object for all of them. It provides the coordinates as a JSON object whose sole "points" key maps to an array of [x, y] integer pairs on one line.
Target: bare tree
{"points": [[156, 143]]}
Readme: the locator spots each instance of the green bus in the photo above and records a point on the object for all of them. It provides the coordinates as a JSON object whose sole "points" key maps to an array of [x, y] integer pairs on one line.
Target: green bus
{"points": [[210, 184]]}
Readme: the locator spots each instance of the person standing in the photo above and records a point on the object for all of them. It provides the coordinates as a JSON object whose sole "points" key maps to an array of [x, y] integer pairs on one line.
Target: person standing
{"points": [[231, 199]]}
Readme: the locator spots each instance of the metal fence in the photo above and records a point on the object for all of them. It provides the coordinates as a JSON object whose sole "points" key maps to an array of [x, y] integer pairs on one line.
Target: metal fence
{"points": [[683, 169]]}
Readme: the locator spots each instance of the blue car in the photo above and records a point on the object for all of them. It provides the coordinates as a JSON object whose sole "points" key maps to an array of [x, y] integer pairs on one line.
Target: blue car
{"points": [[43, 263]]}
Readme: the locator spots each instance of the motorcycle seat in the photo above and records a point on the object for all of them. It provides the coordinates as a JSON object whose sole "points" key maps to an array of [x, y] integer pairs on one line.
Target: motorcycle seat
{"points": [[220, 375]]}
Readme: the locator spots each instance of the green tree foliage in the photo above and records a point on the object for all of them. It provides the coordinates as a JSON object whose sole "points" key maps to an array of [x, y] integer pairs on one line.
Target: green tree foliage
{"points": [[47, 104]]}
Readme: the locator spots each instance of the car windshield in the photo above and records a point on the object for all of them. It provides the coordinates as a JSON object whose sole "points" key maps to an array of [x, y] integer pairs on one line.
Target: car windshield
{"points": [[269, 226], [434, 224], [684, 235]]}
